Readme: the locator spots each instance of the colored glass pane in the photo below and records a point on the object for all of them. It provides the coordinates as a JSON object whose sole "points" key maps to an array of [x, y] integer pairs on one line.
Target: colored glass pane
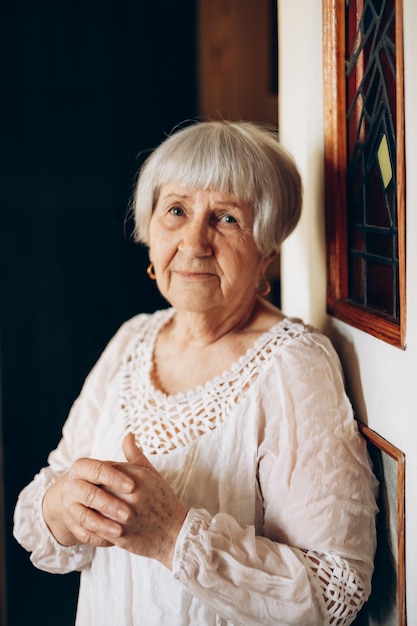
{"points": [[371, 149]]}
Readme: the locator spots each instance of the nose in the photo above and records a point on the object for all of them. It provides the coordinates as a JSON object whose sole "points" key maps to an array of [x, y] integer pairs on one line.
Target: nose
{"points": [[195, 240]]}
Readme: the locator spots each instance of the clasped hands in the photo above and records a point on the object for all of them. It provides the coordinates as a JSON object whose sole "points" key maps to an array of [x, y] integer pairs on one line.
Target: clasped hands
{"points": [[128, 505]]}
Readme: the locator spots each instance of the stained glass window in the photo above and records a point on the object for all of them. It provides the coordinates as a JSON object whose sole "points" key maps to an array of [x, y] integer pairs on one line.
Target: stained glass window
{"points": [[365, 170], [371, 156]]}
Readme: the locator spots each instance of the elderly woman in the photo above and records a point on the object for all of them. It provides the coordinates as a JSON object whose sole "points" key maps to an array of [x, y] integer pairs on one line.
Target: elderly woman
{"points": [[210, 471]]}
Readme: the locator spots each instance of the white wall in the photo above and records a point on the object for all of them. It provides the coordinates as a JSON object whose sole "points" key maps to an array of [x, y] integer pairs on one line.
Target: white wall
{"points": [[382, 379]]}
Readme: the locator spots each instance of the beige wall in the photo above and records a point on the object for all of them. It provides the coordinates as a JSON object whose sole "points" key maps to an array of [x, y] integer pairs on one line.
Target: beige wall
{"points": [[382, 379]]}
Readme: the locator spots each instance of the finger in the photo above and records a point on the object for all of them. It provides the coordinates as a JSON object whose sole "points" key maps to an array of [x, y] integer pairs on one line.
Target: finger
{"points": [[130, 448], [92, 528], [98, 499], [103, 473], [134, 453]]}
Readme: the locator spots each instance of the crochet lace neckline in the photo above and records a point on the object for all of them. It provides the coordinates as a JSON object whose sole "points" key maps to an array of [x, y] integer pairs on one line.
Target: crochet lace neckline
{"points": [[163, 422], [283, 329]]}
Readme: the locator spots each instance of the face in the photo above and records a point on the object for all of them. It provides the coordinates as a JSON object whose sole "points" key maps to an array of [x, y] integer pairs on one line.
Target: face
{"points": [[203, 250]]}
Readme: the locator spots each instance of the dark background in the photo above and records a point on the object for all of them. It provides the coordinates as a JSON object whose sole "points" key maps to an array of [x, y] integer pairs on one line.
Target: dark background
{"points": [[86, 87]]}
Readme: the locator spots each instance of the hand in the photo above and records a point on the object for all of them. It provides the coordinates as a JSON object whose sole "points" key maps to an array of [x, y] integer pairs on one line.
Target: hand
{"points": [[157, 513], [79, 506]]}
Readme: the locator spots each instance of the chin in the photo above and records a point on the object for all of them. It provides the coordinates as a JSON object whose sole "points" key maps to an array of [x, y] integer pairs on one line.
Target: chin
{"points": [[193, 304]]}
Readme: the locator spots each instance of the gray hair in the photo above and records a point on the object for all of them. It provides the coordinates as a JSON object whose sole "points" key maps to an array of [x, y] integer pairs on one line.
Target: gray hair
{"points": [[241, 158]]}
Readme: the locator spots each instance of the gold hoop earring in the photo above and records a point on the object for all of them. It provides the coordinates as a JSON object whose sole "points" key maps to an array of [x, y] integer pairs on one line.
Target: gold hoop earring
{"points": [[150, 271], [266, 287]]}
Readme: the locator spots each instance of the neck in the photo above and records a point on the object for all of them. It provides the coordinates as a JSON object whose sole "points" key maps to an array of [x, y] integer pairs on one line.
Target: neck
{"points": [[204, 328]]}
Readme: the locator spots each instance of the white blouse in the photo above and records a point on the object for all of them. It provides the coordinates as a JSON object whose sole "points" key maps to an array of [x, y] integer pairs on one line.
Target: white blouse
{"points": [[267, 456]]}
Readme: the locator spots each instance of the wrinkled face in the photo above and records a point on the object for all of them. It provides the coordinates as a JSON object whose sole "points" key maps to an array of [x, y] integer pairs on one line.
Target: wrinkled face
{"points": [[203, 250]]}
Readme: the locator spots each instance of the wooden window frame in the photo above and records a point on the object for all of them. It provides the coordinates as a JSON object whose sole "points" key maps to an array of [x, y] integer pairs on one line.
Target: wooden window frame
{"points": [[391, 494], [335, 150]]}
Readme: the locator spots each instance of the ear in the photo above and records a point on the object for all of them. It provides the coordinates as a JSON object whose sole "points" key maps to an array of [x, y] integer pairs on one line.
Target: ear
{"points": [[266, 261], [272, 255]]}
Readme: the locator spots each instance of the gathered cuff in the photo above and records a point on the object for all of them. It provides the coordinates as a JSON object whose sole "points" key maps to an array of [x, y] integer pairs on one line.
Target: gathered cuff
{"points": [[196, 520], [33, 533], [213, 557]]}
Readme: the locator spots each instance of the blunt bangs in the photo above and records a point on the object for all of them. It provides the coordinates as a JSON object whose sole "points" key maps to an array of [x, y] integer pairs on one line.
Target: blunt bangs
{"points": [[232, 157]]}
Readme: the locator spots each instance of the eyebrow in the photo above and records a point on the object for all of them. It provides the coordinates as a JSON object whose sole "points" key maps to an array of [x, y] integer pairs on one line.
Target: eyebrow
{"points": [[175, 195], [185, 196]]}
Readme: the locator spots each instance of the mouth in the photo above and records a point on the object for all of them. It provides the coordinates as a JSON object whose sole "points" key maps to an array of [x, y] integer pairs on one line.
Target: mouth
{"points": [[194, 275]]}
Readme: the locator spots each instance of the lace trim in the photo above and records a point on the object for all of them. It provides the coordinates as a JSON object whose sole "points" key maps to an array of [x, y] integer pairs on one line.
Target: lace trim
{"points": [[337, 585], [164, 422]]}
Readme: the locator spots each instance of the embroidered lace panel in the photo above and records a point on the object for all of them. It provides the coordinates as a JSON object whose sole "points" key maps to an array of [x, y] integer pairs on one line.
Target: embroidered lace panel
{"points": [[336, 585], [164, 422]]}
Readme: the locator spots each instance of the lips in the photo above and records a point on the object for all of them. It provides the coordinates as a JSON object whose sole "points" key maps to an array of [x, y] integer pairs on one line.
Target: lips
{"points": [[193, 274]]}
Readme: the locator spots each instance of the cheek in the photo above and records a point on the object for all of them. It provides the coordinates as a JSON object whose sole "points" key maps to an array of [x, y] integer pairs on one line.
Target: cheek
{"points": [[161, 248], [244, 254], [241, 269]]}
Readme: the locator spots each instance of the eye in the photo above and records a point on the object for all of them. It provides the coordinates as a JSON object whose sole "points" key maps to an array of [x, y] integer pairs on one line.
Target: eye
{"points": [[176, 210], [228, 219]]}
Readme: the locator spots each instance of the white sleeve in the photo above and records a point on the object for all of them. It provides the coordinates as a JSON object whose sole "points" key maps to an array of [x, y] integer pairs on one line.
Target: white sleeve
{"points": [[33, 534], [314, 562], [244, 578], [30, 528]]}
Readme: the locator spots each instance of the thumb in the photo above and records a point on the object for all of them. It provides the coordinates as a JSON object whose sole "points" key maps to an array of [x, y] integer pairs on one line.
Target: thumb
{"points": [[133, 452]]}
